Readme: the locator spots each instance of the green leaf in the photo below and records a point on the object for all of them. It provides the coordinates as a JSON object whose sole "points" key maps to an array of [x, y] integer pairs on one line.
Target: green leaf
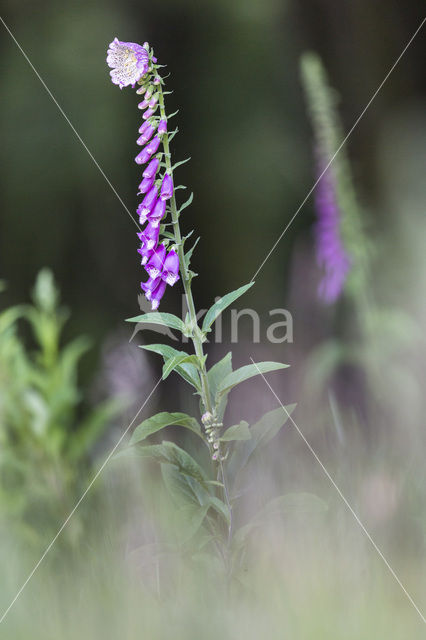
{"points": [[157, 317], [178, 164], [170, 453], [221, 305], [186, 370], [188, 254], [173, 362], [162, 420], [215, 376], [186, 203], [247, 372], [237, 432]]}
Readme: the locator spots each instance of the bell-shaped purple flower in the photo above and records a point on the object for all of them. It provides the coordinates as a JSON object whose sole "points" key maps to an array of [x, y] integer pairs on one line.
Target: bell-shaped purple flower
{"points": [[154, 266], [148, 113], [153, 101], [162, 127], [154, 289], [141, 90], [157, 213], [147, 204], [149, 237], [148, 151], [166, 187], [146, 135], [170, 272], [143, 105], [146, 185], [151, 169], [144, 126], [149, 93], [145, 255]]}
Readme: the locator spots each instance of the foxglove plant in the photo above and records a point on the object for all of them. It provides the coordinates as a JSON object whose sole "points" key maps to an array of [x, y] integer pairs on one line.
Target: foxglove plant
{"points": [[208, 488]]}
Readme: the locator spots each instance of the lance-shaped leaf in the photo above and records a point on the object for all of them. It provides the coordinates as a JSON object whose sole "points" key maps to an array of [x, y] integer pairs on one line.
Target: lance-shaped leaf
{"points": [[162, 420], [186, 370], [157, 317], [221, 305], [237, 432], [215, 376], [173, 362], [247, 372], [186, 203], [170, 453]]}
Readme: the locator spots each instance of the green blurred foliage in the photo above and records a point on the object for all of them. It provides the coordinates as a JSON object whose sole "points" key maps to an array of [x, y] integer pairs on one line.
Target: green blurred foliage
{"points": [[46, 437]]}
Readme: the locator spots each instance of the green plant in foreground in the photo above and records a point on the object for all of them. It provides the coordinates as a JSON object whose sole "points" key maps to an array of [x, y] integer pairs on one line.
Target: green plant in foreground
{"points": [[45, 436], [204, 489]]}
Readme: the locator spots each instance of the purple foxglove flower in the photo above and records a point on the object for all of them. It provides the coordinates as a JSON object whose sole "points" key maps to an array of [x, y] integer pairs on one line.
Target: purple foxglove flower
{"points": [[149, 93], [143, 105], [331, 254], [145, 254], [157, 213], [154, 289], [148, 151], [154, 266], [146, 185], [129, 62], [147, 205], [146, 135], [162, 127], [170, 272], [153, 102], [151, 169], [144, 126], [156, 80], [149, 237], [148, 113], [166, 188], [141, 91]]}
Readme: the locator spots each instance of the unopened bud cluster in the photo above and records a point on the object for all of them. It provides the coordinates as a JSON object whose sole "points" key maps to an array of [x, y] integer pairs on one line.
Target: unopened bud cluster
{"points": [[133, 64], [212, 428]]}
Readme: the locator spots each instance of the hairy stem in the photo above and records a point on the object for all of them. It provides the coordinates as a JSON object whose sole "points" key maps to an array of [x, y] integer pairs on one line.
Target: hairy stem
{"points": [[186, 279]]}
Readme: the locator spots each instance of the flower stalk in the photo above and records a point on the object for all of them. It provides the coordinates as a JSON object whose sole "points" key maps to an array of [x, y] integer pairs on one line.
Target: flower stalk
{"points": [[186, 277]]}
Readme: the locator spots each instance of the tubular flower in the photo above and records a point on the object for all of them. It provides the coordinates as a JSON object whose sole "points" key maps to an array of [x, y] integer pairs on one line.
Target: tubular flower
{"points": [[166, 188], [147, 204], [162, 127], [157, 213], [149, 237], [154, 289], [331, 253], [129, 62], [154, 266], [146, 185], [146, 135], [151, 169], [170, 272], [144, 104], [148, 113]]}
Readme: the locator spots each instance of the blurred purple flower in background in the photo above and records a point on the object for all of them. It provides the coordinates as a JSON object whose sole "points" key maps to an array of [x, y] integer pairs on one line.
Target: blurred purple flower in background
{"points": [[331, 254]]}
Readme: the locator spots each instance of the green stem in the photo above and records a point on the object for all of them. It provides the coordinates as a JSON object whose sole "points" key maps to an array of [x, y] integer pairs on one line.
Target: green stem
{"points": [[186, 279]]}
